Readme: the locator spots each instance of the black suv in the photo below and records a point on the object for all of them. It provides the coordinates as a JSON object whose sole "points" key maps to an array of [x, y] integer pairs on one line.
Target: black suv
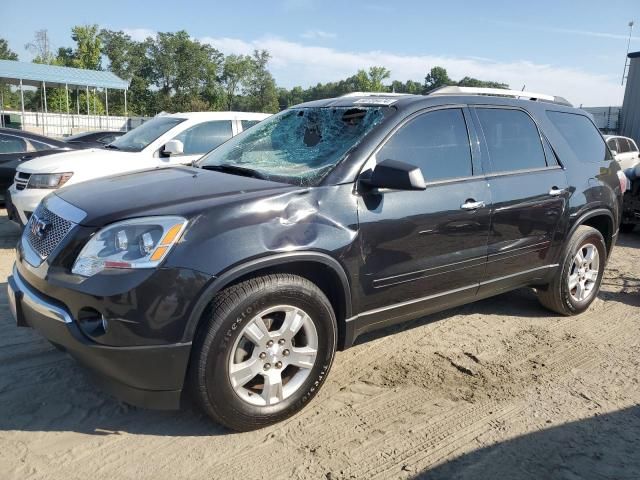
{"points": [[241, 277]]}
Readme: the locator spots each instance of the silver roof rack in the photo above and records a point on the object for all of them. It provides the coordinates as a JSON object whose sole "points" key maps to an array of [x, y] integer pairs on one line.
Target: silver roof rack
{"points": [[453, 90], [374, 94]]}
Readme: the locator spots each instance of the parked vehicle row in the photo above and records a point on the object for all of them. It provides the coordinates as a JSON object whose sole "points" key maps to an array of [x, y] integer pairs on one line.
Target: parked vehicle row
{"points": [[239, 278], [175, 139]]}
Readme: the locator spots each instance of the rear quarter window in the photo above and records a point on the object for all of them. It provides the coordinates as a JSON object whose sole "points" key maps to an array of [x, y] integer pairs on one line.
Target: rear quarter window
{"points": [[581, 134]]}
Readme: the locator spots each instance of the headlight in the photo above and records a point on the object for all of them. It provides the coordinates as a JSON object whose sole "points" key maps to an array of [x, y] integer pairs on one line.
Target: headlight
{"points": [[48, 180], [137, 243]]}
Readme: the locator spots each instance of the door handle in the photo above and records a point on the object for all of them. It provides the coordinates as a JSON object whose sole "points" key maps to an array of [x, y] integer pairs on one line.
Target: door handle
{"points": [[555, 191], [472, 205]]}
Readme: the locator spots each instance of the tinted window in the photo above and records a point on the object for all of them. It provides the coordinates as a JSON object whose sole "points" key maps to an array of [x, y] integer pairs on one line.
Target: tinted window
{"points": [[107, 139], [437, 142], [612, 144], [206, 136], [633, 146], [623, 145], [582, 136], [12, 144], [39, 146], [140, 137], [512, 139], [248, 123]]}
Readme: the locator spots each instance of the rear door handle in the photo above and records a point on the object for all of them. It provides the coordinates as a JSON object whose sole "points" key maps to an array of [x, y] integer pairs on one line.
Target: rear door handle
{"points": [[555, 191], [472, 205]]}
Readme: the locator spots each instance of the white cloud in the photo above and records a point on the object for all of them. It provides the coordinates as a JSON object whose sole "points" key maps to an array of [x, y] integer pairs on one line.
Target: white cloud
{"points": [[139, 34], [568, 31], [297, 64], [318, 35]]}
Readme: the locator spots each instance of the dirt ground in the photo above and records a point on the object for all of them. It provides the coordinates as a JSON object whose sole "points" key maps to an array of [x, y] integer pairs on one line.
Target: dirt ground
{"points": [[497, 389]]}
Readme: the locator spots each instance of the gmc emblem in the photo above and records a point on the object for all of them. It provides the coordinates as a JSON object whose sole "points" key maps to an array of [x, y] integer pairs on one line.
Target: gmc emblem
{"points": [[39, 227]]}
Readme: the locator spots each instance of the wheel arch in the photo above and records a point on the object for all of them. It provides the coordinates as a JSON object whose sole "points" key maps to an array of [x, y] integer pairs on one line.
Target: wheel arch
{"points": [[602, 220], [325, 271]]}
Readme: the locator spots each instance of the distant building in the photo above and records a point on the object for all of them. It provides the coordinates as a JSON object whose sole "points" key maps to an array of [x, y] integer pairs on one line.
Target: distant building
{"points": [[607, 119], [630, 115]]}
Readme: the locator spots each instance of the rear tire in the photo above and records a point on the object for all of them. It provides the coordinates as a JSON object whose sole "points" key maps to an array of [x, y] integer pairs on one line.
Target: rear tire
{"points": [[263, 352], [578, 278]]}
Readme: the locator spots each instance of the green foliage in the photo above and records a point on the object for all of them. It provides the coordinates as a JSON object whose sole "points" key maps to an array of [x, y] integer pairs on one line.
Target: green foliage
{"points": [[173, 72], [5, 52]]}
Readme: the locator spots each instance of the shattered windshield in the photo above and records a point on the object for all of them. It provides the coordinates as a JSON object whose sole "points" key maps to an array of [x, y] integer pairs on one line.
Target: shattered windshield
{"points": [[297, 146]]}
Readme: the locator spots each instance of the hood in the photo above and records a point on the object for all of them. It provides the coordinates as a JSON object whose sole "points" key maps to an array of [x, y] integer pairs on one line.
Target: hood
{"points": [[78, 160], [182, 191]]}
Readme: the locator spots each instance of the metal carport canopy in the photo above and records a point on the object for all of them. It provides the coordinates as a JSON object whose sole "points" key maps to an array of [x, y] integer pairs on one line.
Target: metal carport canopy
{"points": [[34, 74]]}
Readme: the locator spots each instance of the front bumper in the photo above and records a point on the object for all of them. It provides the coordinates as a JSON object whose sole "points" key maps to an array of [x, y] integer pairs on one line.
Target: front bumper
{"points": [[25, 201], [150, 376]]}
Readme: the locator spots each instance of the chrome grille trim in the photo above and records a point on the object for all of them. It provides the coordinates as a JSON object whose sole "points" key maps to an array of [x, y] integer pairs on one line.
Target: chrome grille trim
{"points": [[58, 229], [21, 180], [61, 218]]}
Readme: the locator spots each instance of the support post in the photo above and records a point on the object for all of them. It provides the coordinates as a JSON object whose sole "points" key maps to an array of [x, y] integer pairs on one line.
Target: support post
{"points": [[1, 105], [46, 111], [126, 115], [66, 101], [22, 105]]}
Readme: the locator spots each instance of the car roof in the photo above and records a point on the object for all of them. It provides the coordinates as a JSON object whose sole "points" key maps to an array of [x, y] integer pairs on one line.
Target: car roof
{"points": [[402, 101], [218, 115], [33, 136]]}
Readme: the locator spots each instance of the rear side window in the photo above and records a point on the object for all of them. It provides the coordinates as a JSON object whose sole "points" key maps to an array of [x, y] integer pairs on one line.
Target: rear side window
{"points": [[582, 136], [436, 142], [248, 123], [611, 143], [623, 145], [512, 139], [12, 144], [633, 146]]}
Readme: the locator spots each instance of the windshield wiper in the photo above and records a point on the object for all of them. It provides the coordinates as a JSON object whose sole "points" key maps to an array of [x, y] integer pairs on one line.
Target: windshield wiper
{"points": [[110, 145], [234, 170]]}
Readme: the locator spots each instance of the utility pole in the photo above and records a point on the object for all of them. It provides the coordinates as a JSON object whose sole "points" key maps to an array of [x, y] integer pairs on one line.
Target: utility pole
{"points": [[626, 58]]}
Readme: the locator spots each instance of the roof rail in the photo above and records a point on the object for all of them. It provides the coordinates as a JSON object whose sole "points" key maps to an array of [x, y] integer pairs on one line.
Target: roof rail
{"points": [[374, 94], [454, 90]]}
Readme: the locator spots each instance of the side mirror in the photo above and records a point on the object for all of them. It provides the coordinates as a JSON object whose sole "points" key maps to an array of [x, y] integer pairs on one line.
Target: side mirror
{"points": [[395, 175], [173, 147]]}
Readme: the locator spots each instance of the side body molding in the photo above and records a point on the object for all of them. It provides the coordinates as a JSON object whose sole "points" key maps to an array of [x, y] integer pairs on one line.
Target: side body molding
{"points": [[227, 277]]}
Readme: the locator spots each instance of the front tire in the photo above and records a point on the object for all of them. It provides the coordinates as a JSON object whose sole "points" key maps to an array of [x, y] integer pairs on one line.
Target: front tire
{"points": [[264, 351], [578, 278]]}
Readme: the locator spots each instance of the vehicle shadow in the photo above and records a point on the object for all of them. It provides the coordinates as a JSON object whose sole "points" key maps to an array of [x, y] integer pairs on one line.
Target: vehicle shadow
{"points": [[9, 232], [604, 446], [44, 389]]}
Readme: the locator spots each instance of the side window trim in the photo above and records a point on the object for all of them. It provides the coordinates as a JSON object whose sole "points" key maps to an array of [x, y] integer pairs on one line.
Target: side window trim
{"points": [[485, 149], [471, 133]]}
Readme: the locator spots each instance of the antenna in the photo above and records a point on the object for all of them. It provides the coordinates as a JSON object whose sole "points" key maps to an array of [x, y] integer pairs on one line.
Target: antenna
{"points": [[626, 58]]}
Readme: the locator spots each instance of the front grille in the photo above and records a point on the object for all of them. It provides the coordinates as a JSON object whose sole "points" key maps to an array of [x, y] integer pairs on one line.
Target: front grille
{"points": [[22, 179], [57, 229]]}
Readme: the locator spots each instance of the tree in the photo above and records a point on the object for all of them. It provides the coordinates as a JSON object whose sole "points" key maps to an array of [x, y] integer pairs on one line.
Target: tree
{"points": [[236, 71], [5, 52], [474, 82], [41, 48], [436, 78], [376, 76], [88, 50], [261, 88]]}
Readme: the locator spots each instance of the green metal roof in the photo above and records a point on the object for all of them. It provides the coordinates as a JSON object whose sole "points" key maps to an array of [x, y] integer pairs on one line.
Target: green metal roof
{"points": [[34, 74]]}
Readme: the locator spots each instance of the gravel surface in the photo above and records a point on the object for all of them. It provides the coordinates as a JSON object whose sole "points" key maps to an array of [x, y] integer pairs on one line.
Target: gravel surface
{"points": [[497, 389]]}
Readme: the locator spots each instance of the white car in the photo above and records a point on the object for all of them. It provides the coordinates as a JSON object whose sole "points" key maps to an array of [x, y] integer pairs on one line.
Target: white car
{"points": [[624, 149], [172, 139]]}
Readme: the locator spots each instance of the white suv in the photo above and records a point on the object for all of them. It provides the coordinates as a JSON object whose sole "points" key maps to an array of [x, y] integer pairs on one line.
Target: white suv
{"points": [[173, 139], [624, 149]]}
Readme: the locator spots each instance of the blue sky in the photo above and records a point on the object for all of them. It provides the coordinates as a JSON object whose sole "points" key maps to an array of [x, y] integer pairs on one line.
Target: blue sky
{"points": [[572, 48]]}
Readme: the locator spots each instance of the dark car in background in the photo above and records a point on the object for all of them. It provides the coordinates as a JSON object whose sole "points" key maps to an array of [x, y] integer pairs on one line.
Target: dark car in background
{"points": [[19, 146], [241, 278], [93, 139]]}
